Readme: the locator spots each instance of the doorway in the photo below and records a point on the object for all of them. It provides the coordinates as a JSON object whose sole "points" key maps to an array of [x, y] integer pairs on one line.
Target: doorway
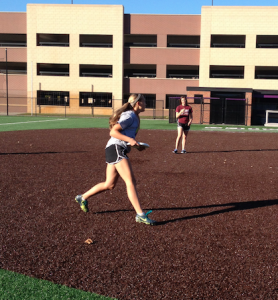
{"points": [[229, 108]]}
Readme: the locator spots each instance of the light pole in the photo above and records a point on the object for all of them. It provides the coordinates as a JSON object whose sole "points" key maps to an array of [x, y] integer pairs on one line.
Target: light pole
{"points": [[7, 82]]}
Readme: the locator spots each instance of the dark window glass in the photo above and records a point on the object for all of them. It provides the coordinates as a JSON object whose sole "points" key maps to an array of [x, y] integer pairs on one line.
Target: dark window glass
{"points": [[140, 40], [53, 40], [95, 99], [96, 40], [198, 99], [227, 41], [183, 41], [13, 40], [13, 68], [52, 69], [267, 41], [266, 73], [232, 72], [182, 72], [139, 71], [95, 71], [56, 98]]}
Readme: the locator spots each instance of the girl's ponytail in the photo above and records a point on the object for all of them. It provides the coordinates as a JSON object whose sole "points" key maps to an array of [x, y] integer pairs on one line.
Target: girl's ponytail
{"points": [[116, 116], [132, 100]]}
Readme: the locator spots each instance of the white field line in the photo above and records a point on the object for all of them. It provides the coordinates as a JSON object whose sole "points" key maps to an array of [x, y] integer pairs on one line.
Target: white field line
{"points": [[33, 122]]}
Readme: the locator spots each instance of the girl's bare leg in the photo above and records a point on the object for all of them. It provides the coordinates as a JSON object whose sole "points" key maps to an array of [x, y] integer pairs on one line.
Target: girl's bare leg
{"points": [[110, 182], [185, 133], [178, 137], [125, 171]]}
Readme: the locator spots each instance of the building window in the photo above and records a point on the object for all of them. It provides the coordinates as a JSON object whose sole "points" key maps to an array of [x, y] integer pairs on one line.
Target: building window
{"points": [[267, 41], [227, 41], [174, 98], [52, 69], [95, 71], [139, 71], [266, 73], [13, 68], [56, 98], [96, 40], [150, 100], [140, 40], [183, 41], [13, 40], [182, 72], [95, 99], [233, 72], [53, 40], [198, 99]]}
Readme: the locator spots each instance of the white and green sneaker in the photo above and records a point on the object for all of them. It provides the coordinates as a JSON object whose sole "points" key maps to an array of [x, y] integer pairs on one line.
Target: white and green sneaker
{"points": [[83, 203], [145, 219]]}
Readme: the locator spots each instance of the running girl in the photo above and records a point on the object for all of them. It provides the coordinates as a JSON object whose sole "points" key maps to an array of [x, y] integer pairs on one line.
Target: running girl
{"points": [[124, 125]]}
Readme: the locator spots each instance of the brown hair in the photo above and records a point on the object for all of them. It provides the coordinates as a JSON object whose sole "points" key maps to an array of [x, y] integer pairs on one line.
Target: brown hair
{"points": [[132, 100], [185, 97]]}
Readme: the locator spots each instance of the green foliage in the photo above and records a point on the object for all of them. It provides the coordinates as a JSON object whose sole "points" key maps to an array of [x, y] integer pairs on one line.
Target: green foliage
{"points": [[15, 286]]}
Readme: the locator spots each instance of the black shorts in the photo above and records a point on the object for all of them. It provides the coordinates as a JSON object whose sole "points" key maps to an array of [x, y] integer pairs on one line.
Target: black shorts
{"points": [[184, 127], [115, 153]]}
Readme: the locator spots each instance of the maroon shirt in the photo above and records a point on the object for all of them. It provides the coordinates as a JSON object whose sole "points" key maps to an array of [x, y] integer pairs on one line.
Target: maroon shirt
{"points": [[184, 117]]}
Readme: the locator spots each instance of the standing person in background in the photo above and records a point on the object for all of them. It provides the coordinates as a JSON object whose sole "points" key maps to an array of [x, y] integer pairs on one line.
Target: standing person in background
{"points": [[184, 115], [124, 125]]}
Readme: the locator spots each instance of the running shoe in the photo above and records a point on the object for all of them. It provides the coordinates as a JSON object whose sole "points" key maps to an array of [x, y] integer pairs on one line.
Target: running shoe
{"points": [[145, 219], [83, 203], [175, 151], [183, 151]]}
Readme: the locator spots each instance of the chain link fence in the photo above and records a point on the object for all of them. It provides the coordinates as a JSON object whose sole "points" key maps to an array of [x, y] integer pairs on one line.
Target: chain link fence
{"points": [[73, 107], [213, 110], [13, 105]]}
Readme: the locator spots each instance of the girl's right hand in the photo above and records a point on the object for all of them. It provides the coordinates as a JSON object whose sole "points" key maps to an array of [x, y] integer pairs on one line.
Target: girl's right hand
{"points": [[132, 142]]}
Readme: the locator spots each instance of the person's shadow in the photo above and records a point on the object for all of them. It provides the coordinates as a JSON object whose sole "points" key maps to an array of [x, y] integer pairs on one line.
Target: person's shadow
{"points": [[227, 207], [224, 208]]}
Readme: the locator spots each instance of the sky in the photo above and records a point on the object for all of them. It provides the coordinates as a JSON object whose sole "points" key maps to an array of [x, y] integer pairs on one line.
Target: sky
{"points": [[143, 6]]}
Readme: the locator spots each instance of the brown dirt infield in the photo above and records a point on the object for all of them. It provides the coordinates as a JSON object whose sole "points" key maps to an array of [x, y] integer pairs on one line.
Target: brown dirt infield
{"points": [[216, 206]]}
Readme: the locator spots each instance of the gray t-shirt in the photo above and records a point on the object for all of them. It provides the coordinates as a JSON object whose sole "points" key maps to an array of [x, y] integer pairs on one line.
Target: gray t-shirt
{"points": [[129, 122]]}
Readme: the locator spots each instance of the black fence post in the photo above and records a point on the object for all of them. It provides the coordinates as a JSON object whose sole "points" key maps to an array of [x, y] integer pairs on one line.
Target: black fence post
{"points": [[7, 82], [246, 111]]}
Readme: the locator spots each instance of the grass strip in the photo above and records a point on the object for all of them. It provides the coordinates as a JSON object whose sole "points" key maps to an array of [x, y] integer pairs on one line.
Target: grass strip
{"points": [[13, 123], [14, 286]]}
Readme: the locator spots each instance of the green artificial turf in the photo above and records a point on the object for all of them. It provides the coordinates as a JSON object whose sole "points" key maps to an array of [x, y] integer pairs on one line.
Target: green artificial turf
{"points": [[15, 286], [13, 123]]}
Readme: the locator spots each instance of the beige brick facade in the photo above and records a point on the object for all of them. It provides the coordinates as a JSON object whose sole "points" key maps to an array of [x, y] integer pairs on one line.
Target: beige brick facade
{"points": [[248, 21], [160, 56], [75, 20]]}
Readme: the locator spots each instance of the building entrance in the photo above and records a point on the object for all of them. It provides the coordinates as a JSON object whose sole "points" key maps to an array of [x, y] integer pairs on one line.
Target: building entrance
{"points": [[229, 108], [260, 103]]}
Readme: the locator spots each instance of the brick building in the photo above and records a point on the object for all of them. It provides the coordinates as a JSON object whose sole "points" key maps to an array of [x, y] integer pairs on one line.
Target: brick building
{"points": [[79, 56]]}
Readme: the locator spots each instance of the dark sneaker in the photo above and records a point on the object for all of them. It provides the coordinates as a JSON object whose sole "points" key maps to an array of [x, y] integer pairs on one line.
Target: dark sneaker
{"points": [[183, 151], [83, 203], [144, 219], [175, 151]]}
